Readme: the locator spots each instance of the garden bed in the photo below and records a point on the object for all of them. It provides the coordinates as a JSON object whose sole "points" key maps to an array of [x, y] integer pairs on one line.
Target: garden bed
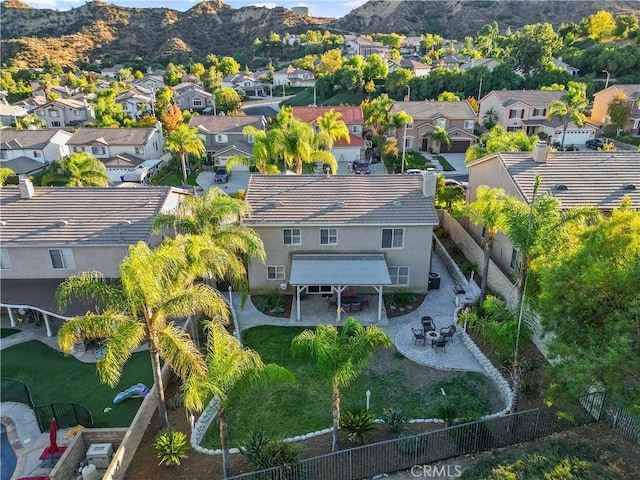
{"points": [[273, 304]]}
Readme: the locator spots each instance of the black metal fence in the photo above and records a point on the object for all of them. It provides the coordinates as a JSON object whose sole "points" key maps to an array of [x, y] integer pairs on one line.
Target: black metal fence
{"points": [[66, 415], [13, 390], [426, 448], [601, 406]]}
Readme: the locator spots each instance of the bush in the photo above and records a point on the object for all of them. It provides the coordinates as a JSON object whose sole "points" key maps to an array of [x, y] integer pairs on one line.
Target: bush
{"points": [[394, 418], [401, 298], [271, 303], [357, 425], [468, 267], [171, 447], [410, 443], [454, 248], [263, 452], [163, 172], [443, 233]]}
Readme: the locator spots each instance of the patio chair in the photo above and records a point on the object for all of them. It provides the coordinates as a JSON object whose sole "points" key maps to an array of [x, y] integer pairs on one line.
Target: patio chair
{"points": [[331, 303], [366, 301], [447, 332], [427, 324], [418, 335], [439, 344]]}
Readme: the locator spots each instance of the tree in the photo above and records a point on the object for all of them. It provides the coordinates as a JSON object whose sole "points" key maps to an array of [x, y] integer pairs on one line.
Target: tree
{"points": [[155, 286], [601, 25], [499, 140], [396, 82], [533, 46], [30, 120], [570, 107], [5, 173], [440, 136], [108, 112], [490, 119], [376, 113], [448, 97], [589, 301], [184, 141], [619, 110], [263, 154], [332, 129], [376, 68], [232, 369], [486, 210], [227, 100], [341, 355], [228, 66], [174, 74], [172, 119], [83, 170], [330, 61]]}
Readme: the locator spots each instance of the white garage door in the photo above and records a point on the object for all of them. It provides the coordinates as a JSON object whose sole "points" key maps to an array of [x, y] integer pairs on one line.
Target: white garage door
{"points": [[577, 136], [222, 161], [346, 154]]}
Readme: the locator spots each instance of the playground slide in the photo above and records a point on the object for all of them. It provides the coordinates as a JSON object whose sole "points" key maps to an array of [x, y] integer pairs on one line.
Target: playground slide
{"points": [[139, 390]]}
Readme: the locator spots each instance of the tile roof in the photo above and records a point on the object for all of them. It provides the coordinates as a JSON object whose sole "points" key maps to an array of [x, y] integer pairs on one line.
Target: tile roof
{"points": [[350, 115], [239, 146], [226, 123], [22, 165], [528, 97], [13, 139], [339, 200], [433, 109], [80, 216], [592, 178], [111, 136]]}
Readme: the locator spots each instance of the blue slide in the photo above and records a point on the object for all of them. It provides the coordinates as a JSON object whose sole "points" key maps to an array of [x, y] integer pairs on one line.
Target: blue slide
{"points": [[139, 389]]}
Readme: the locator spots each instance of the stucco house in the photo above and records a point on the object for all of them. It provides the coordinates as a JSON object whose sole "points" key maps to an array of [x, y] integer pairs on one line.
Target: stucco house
{"points": [[27, 151], [417, 68], [585, 178], [223, 137], [150, 82], [189, 96], [244, 84], [296, 77], [51, 233], [457, 118], [66, 112], [602, 99], [136, 102], [355, 45], [9, 114], [324, 233]]}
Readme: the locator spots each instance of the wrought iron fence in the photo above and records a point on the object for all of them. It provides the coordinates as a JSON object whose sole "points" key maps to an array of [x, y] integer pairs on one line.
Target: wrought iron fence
{"points": [[66, 415], [425, 448], [13, 390], [603, 408]]}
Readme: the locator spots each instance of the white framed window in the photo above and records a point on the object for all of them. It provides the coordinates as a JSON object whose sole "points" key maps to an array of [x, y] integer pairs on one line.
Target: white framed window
{"points": [[291, 236], [409, 125], [62, 258], [275, 272], [139, 150], [393, 238], [514, 259], [37, 154], [54, 113], [399, 276], [468, 124], [78, 149], [41, 113], [328, 236], [516, 113], [539, 112], [220, 138], [98, 150], [196, 102], [5, 261], [76, 113], [356, 129], [408, 142], [442, 123]]}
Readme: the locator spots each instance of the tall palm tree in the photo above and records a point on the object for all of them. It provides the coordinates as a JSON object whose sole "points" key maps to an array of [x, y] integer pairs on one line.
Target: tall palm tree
{"points": [[332, 129], [294, 143], [440, 136], [83, 170], [155, 286], [570, 107], [340, 354], [183, 141], [488, 211], [263, 154], [231, 369], [490, 118]]}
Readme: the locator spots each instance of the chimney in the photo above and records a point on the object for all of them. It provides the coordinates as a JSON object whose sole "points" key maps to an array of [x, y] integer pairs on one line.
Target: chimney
{"points": [[540, 152], [429, 183], [26, 188]]}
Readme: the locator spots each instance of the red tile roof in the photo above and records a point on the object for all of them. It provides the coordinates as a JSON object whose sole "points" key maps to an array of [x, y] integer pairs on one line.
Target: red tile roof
{"points": [[350, 115]]}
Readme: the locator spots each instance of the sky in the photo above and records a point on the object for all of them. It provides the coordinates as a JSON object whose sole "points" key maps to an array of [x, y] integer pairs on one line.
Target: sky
{"points": [[318, 8]]}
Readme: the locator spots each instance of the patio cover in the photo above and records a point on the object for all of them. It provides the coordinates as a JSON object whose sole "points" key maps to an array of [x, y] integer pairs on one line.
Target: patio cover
{"points": [[339, 269]]}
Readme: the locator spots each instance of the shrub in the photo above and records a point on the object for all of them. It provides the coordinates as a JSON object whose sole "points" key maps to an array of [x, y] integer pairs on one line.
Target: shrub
{"points": [[454, 248], [401, 298], [171, 447], [263, 452], [357, 425], [443, 233], [271, 302], [394, 418], [410, 443], [468, 267]]}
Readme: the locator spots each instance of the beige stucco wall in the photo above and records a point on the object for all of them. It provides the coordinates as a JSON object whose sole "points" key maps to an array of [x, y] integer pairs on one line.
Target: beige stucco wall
{"points": [[351, 239], [35, 262]]}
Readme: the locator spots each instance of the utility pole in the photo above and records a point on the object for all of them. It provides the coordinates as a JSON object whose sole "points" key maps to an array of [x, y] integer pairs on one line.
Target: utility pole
{"points": [[606, 85], [314, 95], [404, 146], [480, 89]]}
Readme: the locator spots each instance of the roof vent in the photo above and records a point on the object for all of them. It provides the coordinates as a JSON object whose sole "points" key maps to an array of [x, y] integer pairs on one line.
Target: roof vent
{"points": [[561, 187], [340, 203], [64, 222], [397, 203], [631, 186]]}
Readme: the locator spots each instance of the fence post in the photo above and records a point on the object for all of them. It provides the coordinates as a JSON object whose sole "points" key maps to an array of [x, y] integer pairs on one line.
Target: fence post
{"points": [[475, 440], [535, 432]]}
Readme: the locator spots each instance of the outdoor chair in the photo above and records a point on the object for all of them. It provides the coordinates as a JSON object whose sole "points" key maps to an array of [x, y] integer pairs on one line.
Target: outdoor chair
{"points": [[427, 324], [418, 335], [439, 344], [331, 303], [447, 332], [366, 301]]}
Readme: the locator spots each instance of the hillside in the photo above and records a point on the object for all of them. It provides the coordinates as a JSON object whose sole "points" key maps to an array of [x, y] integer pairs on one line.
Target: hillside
{"points": [[459, 18]]}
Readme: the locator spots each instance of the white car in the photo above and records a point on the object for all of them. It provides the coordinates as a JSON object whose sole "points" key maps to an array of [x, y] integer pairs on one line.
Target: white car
{"points": [[414, 171], [450, 182]]}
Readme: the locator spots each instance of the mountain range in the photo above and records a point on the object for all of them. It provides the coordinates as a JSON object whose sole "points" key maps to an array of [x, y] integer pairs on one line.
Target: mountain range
{"points": [[115, 34]]}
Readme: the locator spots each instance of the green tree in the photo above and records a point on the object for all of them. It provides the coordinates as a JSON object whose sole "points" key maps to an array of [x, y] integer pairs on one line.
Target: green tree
{"points": [[448, 97], [197, 69], [228, 66], [4, 174], [570, 107], [330, 61], [185, 141], [83, 170], [30, 120], [332, 129], [263, 152], [499, 140], [155, 286], [376, 113], [439, 136], [227, 100], [396, 82], [533, 46], [619, 110], [490, 119], [232, 369], [376, 68], [487, 211], [108, 112], [601, 25], [173, 74], [341, 355]]}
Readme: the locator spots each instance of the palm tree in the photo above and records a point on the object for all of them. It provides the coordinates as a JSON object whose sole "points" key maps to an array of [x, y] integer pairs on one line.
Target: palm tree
{"points": [[183, 141], [332, 129], [215, 236], [570, 107], [487, 211], [490, 119], [294, 143], [340, 354], [84, 170], [231, 369], [440, 136], [155, 285], [263, 153]]}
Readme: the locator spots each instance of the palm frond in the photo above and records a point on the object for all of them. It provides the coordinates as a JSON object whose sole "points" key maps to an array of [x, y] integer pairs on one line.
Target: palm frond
{"points": [[178, 350], [89, 287], [117, 349], [194, 300], [90, 327]]}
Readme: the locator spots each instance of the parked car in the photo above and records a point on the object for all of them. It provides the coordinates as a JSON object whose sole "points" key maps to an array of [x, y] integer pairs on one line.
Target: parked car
{"points": [[361, 167], [597, 143], [222, 175], [451, 182], [414, 171]]}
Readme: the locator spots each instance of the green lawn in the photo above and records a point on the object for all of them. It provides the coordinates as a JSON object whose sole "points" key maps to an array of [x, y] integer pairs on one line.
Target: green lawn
{"points": [[294, 409], [52, 378], [5, 332], [175, 179]]}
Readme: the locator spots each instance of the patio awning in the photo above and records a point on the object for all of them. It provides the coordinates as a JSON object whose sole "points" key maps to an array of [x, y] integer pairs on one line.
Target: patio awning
{"points": [[336, 269]]}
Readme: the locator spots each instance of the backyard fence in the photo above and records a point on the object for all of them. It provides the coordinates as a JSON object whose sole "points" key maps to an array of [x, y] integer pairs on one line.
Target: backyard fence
{"points": [[66, 415], [13, 390], [426, 448], [617, 417]]}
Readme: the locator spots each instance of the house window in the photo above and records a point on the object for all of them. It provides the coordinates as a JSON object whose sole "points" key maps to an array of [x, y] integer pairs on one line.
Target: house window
{"points": [[539, 112], [468, 124], [37, 154], [275, 272], [356, 129], [516, 113], [76, 113], [41, 113], [442, 123], [98, 150], [408, 142], [393, 238], [125, 106], [513, 128], [514, 259], [251, 139], [328, 236], [54, 113], [196, 102], [139, 150], [399, 276], [291, 236], [78, 149], [222, 139], [62, 259], [3, 154], [56, 124], [409, 125], [5, 262]]}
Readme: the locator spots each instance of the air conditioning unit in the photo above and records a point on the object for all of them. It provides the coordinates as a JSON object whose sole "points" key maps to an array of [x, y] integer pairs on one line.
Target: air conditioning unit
{"points": [[99, 454]]}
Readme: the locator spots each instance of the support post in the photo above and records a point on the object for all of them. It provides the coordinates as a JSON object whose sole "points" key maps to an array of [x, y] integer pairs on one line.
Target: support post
{"points": [[298, 302], [230, 297], [379, 289], [12, 319], [47, 324]]}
